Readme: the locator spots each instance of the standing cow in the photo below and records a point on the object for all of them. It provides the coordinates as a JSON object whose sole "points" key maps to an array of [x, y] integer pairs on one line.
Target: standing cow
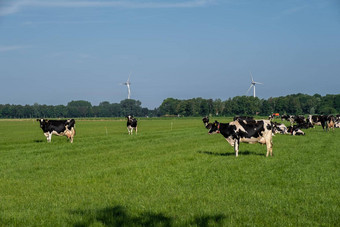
{"points": [[58, 127], [319, 120], [330, 122], [246, 131], [131, 124]]}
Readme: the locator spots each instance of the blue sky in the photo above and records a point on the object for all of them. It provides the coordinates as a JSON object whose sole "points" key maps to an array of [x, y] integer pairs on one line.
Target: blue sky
{"points": [[53, 52]]}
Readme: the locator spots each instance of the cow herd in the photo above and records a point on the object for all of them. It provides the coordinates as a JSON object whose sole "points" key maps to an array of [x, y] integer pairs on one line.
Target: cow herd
{"points": [[242, 129], [247, 130], [326, 121]]}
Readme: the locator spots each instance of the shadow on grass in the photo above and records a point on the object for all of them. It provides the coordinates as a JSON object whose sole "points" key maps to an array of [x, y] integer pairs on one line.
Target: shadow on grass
{"points": [[230, 154], [118, 216], [38, 141]]}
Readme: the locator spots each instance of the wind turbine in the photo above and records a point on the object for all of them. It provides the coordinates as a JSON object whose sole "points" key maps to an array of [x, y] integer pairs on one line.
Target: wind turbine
{"points": [[127, 83], [253, 83]]}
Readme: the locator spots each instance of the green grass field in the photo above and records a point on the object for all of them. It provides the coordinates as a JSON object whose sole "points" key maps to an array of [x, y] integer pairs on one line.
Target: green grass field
{"points": [[171, 174]]}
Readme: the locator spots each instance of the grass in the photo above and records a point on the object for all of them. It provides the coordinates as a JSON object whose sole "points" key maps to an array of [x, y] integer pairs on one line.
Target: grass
{"points": [[171, 174]]}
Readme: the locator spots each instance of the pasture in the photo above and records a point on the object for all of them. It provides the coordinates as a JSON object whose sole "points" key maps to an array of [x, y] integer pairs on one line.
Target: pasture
{"points": [[171, 174]]}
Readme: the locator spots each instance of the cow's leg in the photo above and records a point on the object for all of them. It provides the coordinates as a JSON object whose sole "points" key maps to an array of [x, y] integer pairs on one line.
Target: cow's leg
{"points": [[46, 135], [128, 128], [49, 137], [71, 135], [236, 144], [269, 144], [136, 130]]}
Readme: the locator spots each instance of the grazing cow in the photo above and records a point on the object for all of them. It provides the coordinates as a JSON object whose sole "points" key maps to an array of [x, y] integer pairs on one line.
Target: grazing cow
{"points": [[243, 118], [279, 128], [319, 120], [58, 127], [294, 130], [246, 131], [131, 124]]}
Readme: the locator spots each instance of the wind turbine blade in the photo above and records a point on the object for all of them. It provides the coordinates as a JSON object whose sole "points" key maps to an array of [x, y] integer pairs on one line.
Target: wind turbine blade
{"points": [[249, 88], [258, 83], [251, 77]]}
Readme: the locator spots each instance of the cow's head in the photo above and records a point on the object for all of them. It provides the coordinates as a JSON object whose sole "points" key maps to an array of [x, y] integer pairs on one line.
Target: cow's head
{"points": [[206, 122], [43, 122], [214, 128]]}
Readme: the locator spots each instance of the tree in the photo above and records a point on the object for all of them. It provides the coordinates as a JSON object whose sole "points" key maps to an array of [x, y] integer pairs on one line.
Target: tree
{"points": [[218, 106], [169, 106], [130, 107], [337, 103], [184, 108], [79, 108], [266, 108]]}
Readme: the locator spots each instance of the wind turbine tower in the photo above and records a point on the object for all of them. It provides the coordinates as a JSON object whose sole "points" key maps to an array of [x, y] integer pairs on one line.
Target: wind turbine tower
{"points": [[127, 83], [253, 83]]}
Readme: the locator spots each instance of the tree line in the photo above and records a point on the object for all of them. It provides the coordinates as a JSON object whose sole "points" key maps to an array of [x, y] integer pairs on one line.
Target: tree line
{"points": [[296, 104]]}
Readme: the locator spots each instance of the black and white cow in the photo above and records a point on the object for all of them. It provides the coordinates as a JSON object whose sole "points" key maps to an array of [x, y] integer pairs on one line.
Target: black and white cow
{"points": [[295, 131], [279, 128], [319, 120], [337, 118], [337, 124], [58, 127], [337, 121], [243, 118], [293, 118], [131, 124], [305, 125], [299, 119], [285, 117], [246, 131], [206, 122], [331, 122]]}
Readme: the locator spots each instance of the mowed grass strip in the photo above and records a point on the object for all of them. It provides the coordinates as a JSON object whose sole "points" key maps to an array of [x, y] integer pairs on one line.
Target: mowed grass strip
{"points": [[172, 173]]}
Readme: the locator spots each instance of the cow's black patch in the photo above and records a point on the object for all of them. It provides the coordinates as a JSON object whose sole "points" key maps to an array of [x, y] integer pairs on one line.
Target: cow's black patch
{"points": [[252, 128]]}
